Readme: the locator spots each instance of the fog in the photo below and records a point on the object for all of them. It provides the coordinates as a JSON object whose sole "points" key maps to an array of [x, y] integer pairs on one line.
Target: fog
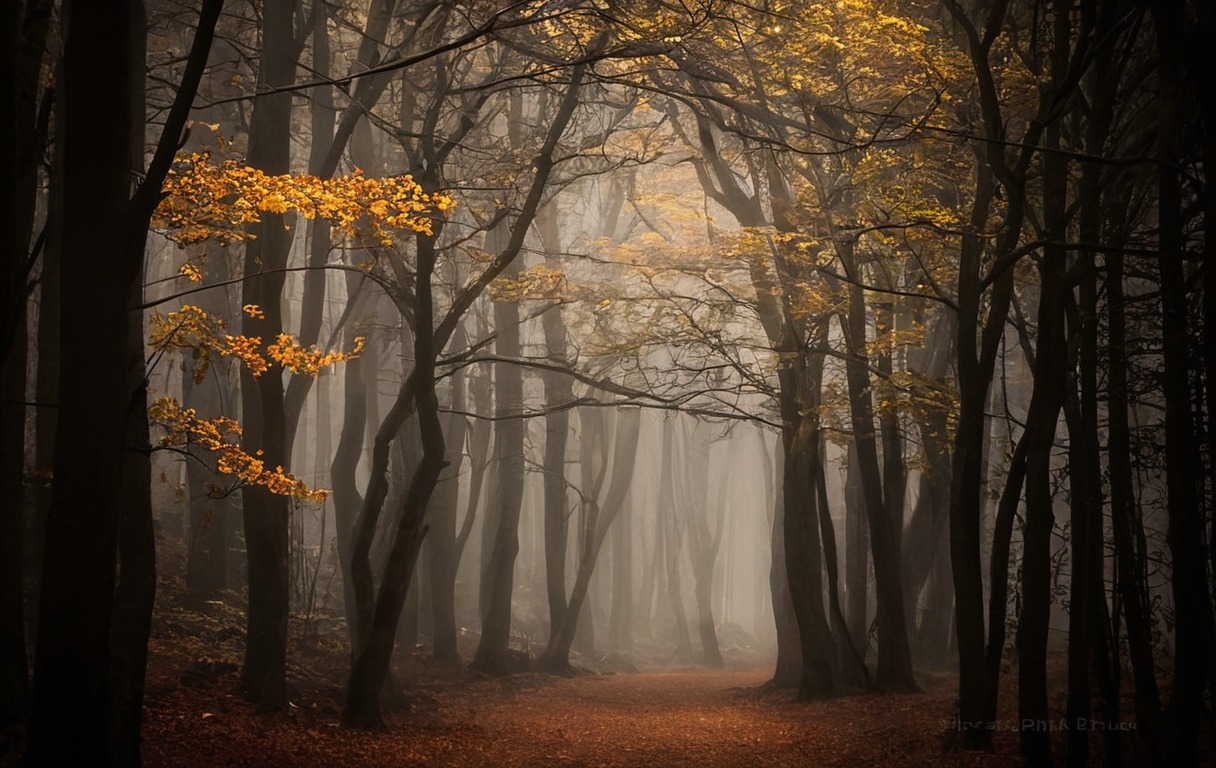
{"points": [[864, 344]]}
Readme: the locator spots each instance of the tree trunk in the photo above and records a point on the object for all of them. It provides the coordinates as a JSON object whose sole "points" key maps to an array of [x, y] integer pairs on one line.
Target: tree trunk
{"points": [[559, 393], [894, 654], [492, 655], [14, 670], [857, 556], [557, 653], [441, 540], [266, 515], [69, 715], [1047, 398], [373, 654], [136, 588], [342, 470], [787, 672], [1133, 591], [1188, 582]]}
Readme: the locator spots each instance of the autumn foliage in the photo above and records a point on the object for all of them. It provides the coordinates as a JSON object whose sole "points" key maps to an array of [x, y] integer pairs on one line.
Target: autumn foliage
{"points": [[219, 203]]}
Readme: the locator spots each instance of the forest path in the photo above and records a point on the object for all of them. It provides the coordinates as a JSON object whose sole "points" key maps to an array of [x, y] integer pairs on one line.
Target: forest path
{"points": [[696, 717], [702, 718]]}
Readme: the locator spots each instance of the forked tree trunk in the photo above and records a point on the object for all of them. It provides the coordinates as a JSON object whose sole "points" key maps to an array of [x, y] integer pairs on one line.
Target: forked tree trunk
{"points": [[557, 653]]}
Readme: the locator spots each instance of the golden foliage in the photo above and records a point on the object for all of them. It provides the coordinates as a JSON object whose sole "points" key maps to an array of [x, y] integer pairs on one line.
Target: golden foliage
{"points": [[209, 201], [221, 437], [192, 328]]}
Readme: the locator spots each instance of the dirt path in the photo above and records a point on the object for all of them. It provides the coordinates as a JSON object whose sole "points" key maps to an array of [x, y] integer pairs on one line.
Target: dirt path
{"points": [[688, 718]]}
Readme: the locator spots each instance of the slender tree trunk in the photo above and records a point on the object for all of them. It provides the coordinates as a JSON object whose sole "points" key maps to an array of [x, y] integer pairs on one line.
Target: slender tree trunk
{"points": [[788, 670], [346, 497], [370, 669], [558, 394], [620, 620], [673, 539], [312, 303], [1047, 398], [441, 540], [857, 555], [492, 656], [1133, 592], [557, 653], [894, 654]]}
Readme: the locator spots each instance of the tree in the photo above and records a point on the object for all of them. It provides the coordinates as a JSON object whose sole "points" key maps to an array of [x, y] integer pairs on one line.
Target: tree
{"points": [[72, 675]]}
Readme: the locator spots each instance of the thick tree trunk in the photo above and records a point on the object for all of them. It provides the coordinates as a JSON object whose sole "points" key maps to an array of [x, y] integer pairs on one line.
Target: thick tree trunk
{"points": [[804, 568], [1188, 583], [14, 670], [69, 716], [788, 670], [135, 592], [266, 515]]}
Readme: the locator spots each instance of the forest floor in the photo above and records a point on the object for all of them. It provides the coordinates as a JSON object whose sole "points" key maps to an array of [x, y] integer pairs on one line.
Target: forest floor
{"points": [[682, 717], [656, 715], [194, 715]]}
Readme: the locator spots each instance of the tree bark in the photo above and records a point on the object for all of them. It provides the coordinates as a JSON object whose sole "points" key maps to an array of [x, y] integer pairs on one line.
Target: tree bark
{"points": [[69, 716], [266, 515]]}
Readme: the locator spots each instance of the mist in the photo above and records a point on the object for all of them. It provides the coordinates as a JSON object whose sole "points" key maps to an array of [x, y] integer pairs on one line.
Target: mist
{"points": [[545, 368]]}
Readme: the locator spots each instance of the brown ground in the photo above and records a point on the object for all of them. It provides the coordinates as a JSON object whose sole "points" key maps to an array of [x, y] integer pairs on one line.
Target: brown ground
{"points": [[194, 717], [678, 718]]}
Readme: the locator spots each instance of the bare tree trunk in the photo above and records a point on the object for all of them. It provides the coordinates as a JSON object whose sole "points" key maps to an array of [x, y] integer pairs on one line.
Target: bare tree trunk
{"points": [[558, 394], [70, 705], [346, 497], [894, 654], [1133, 591], [22, 141], [1047, 398], [1189, 579], [441, 541], [673, 537], [557, 653], [857, 555], [492, 651], [135, 591], [266, 515]]}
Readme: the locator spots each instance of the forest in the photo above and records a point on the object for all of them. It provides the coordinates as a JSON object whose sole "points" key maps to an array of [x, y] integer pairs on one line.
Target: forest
{"points": [[608, 382]]}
